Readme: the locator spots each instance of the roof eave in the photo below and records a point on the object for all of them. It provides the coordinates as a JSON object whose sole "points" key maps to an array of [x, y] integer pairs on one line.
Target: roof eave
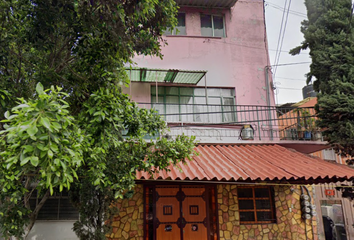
{"points": [[207, 3]]}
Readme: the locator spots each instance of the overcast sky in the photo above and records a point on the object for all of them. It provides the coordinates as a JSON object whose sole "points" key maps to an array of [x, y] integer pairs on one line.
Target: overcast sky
{"points": [[289, 80]]}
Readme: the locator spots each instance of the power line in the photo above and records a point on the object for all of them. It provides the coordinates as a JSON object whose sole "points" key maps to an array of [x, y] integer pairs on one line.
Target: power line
{"points": [[289, 88], [282, 39], [288, 64], [241, 45], [300, 14], [279, 37], [293, 79]]}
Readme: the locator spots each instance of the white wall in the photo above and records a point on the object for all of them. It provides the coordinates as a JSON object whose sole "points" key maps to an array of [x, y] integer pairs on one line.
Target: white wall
{"points": [[52, 230]]}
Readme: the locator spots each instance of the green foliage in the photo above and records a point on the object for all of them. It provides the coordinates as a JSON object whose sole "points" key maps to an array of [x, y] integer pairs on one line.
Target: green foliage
{"points": [[62, 112], [328, 34], [41, 147], [41, 137], [79, 45], [111, 162]]}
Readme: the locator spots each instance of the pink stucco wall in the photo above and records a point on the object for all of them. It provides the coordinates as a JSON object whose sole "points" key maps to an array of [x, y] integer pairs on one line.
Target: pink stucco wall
{"points": [[238, 60]]}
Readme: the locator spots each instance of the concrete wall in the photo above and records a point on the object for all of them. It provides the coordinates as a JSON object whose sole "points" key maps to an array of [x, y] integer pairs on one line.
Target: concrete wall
{"points": [[238, 60], [53, 230], [289, 224]]}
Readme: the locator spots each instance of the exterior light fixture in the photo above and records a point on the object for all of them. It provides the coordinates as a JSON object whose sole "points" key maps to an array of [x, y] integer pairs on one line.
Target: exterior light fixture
{"points": [[247, 132]]}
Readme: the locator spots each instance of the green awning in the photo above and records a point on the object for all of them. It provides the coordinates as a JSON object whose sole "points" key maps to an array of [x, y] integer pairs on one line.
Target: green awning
{"points": [[165, 75]]}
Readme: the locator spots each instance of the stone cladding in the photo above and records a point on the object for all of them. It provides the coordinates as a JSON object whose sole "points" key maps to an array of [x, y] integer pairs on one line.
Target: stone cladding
{"points": [[289, 224], [128, 224]]}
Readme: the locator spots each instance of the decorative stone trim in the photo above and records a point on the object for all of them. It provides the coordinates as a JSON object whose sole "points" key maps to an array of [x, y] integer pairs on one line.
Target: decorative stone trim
{"points": [[289, 223], [129, 223]]}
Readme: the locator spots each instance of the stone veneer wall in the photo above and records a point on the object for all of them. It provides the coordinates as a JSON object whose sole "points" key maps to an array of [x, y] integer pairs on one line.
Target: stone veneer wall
{"points": [[289, 223], [128, 224]]}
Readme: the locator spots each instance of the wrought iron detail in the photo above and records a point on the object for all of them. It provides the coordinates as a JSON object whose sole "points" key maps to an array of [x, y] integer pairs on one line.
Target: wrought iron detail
{"points": [[181, 222], [193, 209], [180, 196], [204, 196], [167, 210], [157, 222], [205, 222]]}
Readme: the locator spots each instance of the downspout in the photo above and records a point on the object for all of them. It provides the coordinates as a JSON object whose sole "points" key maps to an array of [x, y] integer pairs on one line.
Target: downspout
{"points": [[266, 69]]}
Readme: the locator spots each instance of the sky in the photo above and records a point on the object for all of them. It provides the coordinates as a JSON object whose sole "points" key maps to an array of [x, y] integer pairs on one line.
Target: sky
{"points": [[289, 80]]}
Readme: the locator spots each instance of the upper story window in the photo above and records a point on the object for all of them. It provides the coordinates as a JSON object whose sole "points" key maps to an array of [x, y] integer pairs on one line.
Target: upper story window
{"points": [[212, 25], [188, 104], [180, 29]]}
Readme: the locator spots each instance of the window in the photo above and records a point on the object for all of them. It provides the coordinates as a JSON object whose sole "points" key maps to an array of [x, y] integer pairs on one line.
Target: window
{"points": [[189, 104], [329, 154], [180, 29], [212, 25], [256, 205], [57, 207]]}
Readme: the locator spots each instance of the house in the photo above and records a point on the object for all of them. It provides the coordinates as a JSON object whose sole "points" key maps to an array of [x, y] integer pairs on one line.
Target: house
{"points": [[248, 181], [331, 206]]}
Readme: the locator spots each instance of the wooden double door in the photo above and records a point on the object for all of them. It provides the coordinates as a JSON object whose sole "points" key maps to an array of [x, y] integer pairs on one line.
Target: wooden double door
{"points": [[181, 213]]}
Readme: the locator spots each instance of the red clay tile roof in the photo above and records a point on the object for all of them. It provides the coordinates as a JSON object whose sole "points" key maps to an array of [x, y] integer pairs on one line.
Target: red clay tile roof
{"points": [[253, 163]]}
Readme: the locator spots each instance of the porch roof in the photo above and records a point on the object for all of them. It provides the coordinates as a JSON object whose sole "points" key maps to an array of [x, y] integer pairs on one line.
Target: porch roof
{"points": [[165, 75], [252, 162], [207, 3]]}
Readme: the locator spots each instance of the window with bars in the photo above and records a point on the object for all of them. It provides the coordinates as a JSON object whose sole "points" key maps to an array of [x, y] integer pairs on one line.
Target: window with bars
{"points": [[180, 29], [57, 207], [187, 104], [212, 25], [256, 205]]}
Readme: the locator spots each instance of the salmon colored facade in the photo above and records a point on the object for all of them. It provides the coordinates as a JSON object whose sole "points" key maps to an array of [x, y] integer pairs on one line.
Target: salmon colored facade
{"points": [[247, 182]]}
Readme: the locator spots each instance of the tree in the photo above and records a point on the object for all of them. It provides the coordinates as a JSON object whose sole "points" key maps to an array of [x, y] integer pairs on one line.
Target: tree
{"points": [[328, 34], [65, 123]]}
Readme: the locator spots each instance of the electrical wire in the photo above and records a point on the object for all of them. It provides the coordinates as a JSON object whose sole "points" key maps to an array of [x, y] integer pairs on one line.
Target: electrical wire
{"points": [[247, 46], [288, 64], [289, 88], [280, 33], [292, 79], [296, 13], [282, 40]]}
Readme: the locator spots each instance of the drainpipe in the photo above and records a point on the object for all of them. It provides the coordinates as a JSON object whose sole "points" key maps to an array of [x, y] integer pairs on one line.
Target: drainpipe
{"points": [[266, 69]]}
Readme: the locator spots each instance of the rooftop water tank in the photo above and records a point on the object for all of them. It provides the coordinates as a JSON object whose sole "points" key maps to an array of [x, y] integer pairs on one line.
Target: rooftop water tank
{"points": [[308, 91]]}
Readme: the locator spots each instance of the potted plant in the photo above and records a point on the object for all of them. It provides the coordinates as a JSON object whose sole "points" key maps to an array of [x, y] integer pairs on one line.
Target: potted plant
{"points": [[306, 124]]}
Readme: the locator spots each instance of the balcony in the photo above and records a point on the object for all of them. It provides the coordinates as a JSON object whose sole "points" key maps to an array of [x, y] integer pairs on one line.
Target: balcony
{"points": [[287, 126]]}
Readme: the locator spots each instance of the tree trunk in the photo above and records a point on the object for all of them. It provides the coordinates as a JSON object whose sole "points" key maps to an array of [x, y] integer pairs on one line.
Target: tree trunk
{"points": [[34, 214]]}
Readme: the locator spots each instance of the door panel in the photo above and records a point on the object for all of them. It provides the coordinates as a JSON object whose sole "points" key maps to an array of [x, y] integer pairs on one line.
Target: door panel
{"points": [[167, 190], [194, 209], [180, 210], [167, 214], [193, 191], [195, 231], [164, 234], [167, 209], [194, 213]]}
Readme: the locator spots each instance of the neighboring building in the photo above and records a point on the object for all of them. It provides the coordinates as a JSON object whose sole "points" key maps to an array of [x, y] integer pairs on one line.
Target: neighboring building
{"points": [[332, 208], [248, 181]]}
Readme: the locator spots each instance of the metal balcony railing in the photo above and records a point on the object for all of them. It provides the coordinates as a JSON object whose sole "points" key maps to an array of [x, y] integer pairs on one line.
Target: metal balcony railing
{"points": [[268, 123]]}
